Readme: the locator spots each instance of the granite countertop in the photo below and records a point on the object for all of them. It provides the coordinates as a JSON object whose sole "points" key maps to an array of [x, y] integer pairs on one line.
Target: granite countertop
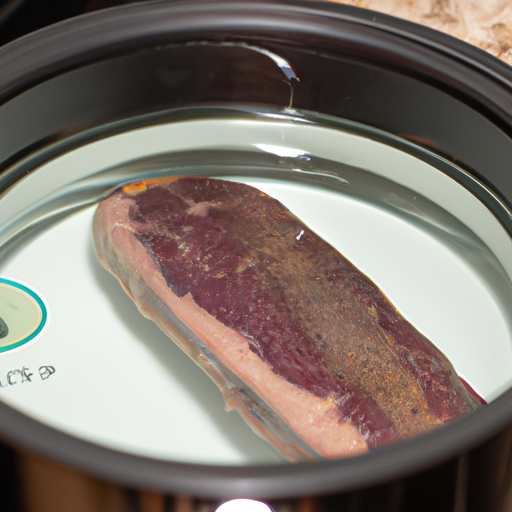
{"points": [[486, 24]]}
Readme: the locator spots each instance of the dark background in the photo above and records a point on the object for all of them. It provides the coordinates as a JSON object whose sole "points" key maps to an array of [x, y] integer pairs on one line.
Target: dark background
{"points": [[20, 17]]}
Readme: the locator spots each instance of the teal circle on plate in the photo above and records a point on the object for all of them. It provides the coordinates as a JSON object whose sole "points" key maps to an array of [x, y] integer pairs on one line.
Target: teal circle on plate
{"points": [[23, 314]]}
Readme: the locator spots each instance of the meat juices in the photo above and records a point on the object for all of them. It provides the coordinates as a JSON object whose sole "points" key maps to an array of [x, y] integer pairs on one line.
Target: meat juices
{"points": [[301, 343]]}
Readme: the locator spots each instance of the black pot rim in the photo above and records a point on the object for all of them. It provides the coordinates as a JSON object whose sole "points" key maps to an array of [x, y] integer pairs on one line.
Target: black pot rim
{"points": [[96, 36], [79, 40]]}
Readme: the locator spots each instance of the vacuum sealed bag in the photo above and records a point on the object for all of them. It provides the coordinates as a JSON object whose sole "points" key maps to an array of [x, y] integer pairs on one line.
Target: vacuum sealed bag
{"points": [[302, 344]]}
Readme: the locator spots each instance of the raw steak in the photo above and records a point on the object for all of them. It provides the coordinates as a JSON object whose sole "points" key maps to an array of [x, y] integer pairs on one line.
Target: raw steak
{"points": [[302, 344]]}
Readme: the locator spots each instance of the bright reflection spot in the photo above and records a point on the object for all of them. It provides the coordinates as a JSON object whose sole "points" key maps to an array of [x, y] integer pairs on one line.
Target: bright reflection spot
{"points": [[281, 150], [244, 505]]}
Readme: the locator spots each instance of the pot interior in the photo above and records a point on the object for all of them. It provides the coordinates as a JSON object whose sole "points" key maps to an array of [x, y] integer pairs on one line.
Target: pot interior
{"points": [[390, 148], [398, 212]]}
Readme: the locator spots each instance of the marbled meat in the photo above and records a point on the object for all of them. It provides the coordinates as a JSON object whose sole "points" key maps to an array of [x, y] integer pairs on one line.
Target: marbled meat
{"points": [[302, 344]]}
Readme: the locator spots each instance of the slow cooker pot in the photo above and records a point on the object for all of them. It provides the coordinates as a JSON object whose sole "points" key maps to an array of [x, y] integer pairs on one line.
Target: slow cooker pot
{"points": [[392, 140]]}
